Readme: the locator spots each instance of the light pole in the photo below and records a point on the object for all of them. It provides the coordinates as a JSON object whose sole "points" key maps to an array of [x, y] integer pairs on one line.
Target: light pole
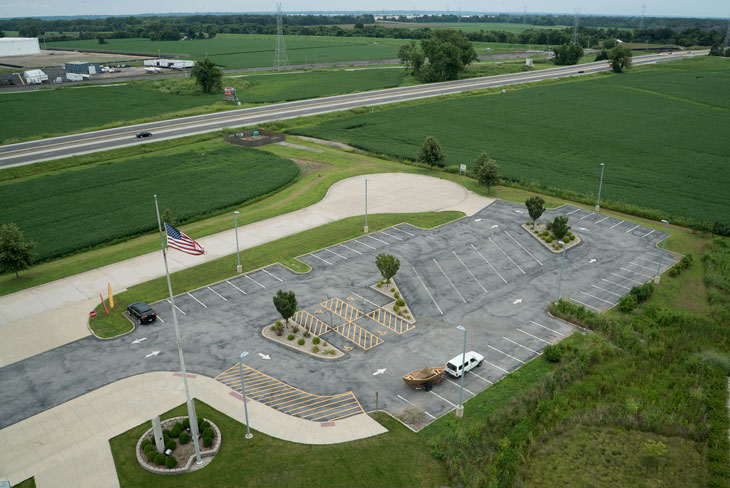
{"points": [[460, 408], [664, 245], [243, 391], [600, 185], [239, 268], [366, 205], [560, 282]]}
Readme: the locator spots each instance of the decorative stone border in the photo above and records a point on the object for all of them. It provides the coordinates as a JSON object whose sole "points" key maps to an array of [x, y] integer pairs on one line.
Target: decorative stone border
{"points": [[549, 246], [385, 290], [189, 466], [306, 348]]}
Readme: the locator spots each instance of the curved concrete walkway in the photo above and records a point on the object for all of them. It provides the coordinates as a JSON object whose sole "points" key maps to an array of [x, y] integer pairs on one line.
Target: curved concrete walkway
{"points": [[60, 309], [68, 445]]}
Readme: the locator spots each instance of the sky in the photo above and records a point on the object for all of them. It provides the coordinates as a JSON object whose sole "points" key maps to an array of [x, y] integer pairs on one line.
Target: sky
{"points": [[676, 8]]}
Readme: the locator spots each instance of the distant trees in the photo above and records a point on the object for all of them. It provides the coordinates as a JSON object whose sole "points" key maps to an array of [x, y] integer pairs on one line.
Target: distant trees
{"points": [[715, 50], [29, 30], [15, 252], [431, 152], [441, 57], [387, 265], [100, 39], [602, 55], [620, 58], [535, 207], [567, 54], [2, 34], [207, 75], [286, 304], [411, 57]]}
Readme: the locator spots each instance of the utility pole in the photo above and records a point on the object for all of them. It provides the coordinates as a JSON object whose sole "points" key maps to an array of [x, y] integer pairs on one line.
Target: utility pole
{"points": [[643, 12], [280, 58], [726, 42]]}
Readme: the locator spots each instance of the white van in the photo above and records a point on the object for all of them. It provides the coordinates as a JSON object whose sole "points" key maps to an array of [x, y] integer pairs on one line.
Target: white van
{"points": [[471, 360]]}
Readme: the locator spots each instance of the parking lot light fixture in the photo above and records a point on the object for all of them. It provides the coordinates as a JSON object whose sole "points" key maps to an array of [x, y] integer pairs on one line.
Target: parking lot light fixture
{"points": [[664, 245], [243, 392], [239, 269], [560, 281], [600, 185], [460, 408]]}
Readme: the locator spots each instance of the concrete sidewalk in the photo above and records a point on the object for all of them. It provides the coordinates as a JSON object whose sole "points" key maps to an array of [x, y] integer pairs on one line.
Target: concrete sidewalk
{"points": [[38, 319], [68, 445]]}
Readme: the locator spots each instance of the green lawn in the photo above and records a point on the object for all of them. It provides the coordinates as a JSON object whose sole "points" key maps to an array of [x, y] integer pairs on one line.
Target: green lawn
{"points": [[556, 135]]}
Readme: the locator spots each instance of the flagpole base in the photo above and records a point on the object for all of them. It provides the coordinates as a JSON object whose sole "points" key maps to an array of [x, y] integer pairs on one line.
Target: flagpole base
{"points": [[239, 269]]}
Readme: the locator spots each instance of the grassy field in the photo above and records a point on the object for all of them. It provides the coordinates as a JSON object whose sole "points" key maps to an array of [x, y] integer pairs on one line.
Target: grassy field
{"points": [[472, 26], [70, 210], [638, 124]]}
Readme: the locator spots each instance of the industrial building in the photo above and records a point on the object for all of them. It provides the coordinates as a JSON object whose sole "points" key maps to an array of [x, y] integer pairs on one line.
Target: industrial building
{"points": [[82, 68], [19, 46], [35, 76]]}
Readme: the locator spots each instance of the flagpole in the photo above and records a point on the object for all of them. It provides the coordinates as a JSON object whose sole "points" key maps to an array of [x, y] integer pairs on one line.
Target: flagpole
{"points": [[191, 408]]}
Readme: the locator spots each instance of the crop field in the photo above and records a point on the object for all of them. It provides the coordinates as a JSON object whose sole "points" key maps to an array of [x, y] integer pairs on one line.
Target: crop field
{"points": [[83, 207], [662, 134]]}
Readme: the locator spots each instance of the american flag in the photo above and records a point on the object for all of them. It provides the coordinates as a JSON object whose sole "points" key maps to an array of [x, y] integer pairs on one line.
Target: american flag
{"points": [[177, 239]]}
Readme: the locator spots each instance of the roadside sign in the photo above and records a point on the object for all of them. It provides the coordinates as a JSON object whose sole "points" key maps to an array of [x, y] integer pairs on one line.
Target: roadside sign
{"points": [[462, 168], [92, 314]]}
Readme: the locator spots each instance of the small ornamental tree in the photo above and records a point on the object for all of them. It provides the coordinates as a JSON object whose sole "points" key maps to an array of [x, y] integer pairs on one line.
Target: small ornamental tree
{"points": [[431, 152], [488, 174], [286, 304], [480, 161], [388, 265], [207, 75], [620, 57], [15, 253], [535, 207], [560, 227]]}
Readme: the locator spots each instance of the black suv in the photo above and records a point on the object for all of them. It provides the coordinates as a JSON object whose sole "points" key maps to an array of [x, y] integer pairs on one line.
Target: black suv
{"points": [[142, 312]]}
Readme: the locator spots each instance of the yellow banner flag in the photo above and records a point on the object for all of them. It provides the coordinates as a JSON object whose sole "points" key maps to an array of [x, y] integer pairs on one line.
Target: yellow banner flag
{"points": [[111, 297]]}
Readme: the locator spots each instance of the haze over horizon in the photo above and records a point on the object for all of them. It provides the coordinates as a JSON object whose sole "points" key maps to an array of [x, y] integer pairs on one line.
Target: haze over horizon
{"points": [[670, 8]]}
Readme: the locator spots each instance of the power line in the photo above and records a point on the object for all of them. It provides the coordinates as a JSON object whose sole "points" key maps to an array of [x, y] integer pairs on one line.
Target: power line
{"points": [[643, 12], [281, 61]]}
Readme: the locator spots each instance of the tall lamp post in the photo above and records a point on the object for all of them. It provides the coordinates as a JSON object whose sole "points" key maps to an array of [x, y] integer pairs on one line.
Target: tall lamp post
{"points": [[664, 245], [560, 282], [243, 392], [600, 185], [366, 205], [460, 408], [239, 268]]}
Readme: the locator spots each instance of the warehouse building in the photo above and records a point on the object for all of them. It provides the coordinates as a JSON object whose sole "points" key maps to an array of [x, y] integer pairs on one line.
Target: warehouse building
{"points": [[82, 68], [19, 46]]}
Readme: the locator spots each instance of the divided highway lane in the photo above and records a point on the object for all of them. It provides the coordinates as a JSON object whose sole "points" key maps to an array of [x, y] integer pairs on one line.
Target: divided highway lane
{"points": [[58, 147]]}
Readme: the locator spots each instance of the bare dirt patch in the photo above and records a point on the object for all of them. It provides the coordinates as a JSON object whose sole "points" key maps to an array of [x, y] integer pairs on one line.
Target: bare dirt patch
{"points": [[49, 57], [324, 142], [307, 167]]}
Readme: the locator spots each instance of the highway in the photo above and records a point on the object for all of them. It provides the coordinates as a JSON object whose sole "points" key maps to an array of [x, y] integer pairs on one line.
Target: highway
{"points": [[57, 147]]}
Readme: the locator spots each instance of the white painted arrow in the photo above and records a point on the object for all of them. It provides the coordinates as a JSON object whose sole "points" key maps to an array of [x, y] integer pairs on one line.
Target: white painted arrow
{"points": [[495, 226], [477, 220], [264, 356], [380, 371], [583, 228], [153, 353], [137, 341], [519, 300], [519, 211], [592, 260]]}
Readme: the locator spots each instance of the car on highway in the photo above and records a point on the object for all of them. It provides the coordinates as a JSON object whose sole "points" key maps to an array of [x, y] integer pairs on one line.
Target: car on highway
{"points": [[144, 133], [471, 360], [142, 312]]}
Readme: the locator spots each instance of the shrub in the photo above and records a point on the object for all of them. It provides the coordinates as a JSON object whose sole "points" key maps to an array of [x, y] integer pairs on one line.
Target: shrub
{"points": [[553, 352], [315, 349], [278, 323], [290, 337], [300, 342], [571, 238], [324, 344], [400, 302], [392, 290], [548, 225], [627, 303], [208, 431], [316, 340], [380, 284], [207, 441], [149, 447], [642, 292], [159, 459], [278, 328], [549, 239], [203, 424], [307, 334], [184, 438], [165, 431], [145, 443], [165, 437], [170, 462], [295, 329], [396, 295], [171, 445], [396, 308], [186, 423], [175, 432], [151, 455]]}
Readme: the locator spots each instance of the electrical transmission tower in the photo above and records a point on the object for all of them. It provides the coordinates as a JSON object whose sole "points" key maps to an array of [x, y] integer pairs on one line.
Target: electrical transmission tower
{"points": [[726, 42], [643, 12], [524, 16], [281, 61], [574, 40]]}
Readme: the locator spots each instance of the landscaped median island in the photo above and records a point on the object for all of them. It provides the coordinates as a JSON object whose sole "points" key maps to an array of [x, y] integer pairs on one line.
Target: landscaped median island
{"points": [[295, 336], [544, 234]]}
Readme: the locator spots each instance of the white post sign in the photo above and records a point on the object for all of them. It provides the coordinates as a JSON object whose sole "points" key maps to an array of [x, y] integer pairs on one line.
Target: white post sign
{"points": [[462, 168]]}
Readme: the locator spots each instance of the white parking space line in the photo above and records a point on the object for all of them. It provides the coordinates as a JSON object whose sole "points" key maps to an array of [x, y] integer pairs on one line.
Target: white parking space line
{"points": [[518, 344], [491, 364], [652, 262], [607, 291], [481, 377], [469, 271], [429, 293], [391, 235], [620, 286], [649, 233], [351, 249], [504, 353], [459, 386], [533, 336], [363, 298], [444, 399], [272, 275], [495, 245], [601, 299], [203, 304], [636, 272], [211, 289], [586, 305], [490, 264], [523, 248], [234, 286], [660, 255], [401, 230], [587, 215], [639, 282], [547, 328], [160, 319], [366, 245], [642, 266], [323, 260], [574, 211], [178, 308], [410, 403], [449, 280], [336, 254], [379, 240], [618, 223], [262, 286], [635, 227], [604, 218]]}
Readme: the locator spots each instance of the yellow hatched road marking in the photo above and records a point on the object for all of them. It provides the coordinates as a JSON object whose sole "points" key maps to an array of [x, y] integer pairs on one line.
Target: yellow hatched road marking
{"points": [[358, 335], [391, 321], [311, 323]]}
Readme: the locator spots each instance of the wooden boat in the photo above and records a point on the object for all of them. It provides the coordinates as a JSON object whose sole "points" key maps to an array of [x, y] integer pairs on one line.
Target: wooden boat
{"points": [[424, 378]]}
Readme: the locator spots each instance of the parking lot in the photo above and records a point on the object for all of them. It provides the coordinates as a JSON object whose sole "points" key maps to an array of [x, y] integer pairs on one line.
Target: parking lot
{"points": [[483, 272]]}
